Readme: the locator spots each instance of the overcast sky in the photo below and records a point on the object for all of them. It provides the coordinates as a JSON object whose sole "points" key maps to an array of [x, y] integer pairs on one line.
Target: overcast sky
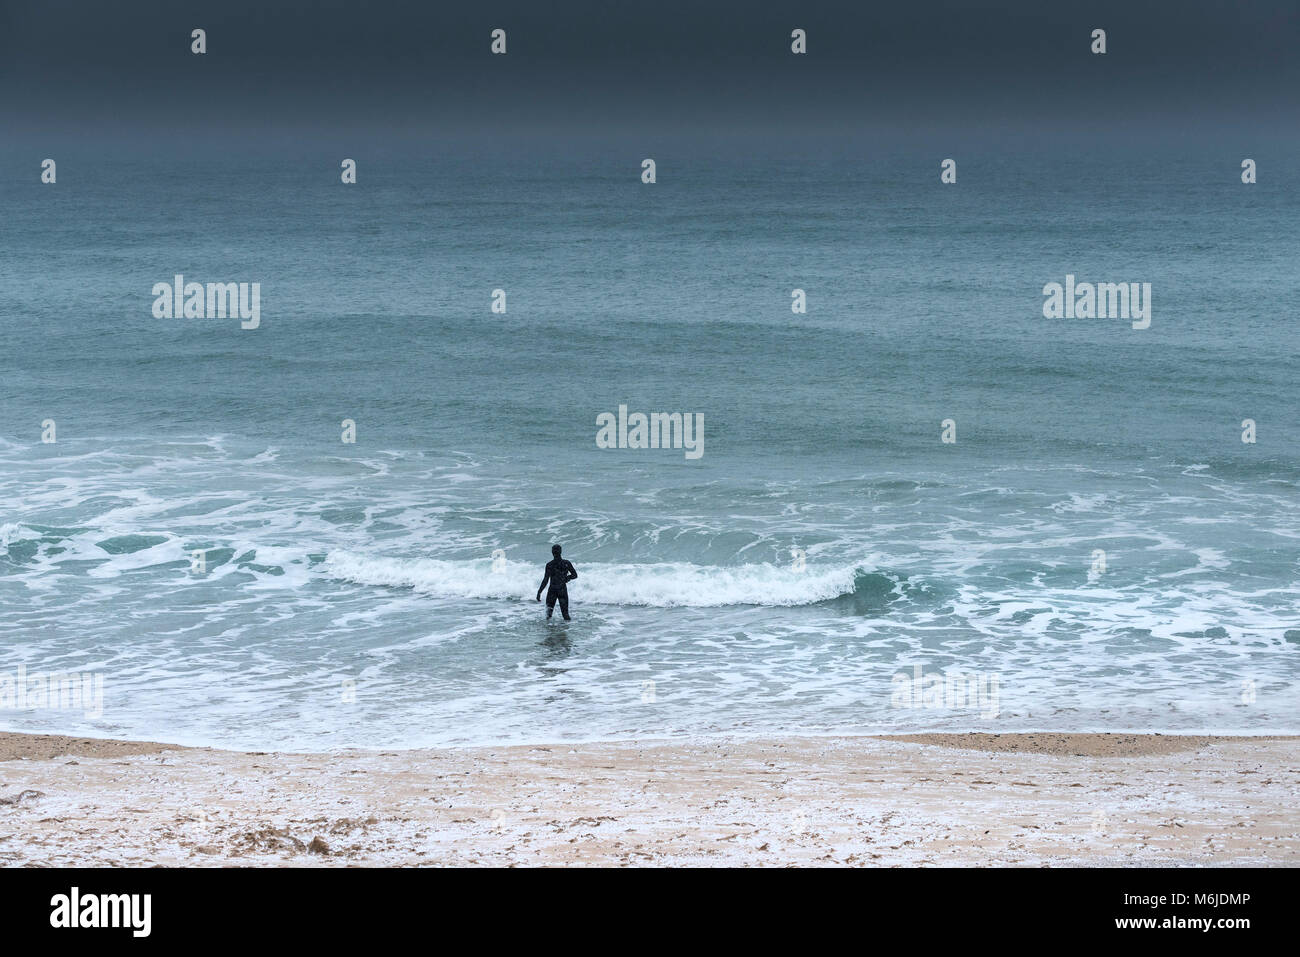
{"points": [[662, 65]]}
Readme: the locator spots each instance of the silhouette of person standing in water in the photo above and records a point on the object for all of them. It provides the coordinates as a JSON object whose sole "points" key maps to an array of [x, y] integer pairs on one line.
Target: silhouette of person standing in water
{"points": [[559, 572]]}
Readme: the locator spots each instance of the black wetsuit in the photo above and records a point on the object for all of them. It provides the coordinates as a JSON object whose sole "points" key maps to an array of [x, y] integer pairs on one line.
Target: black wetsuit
{"points": [[559, 572]]}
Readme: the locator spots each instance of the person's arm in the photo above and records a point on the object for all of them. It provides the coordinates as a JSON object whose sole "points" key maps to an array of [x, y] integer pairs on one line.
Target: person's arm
{"points": [[545, 578], [573, 572]]}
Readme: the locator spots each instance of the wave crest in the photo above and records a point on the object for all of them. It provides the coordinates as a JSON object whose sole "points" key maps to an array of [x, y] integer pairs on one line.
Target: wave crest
{"points": [[664, 585]]}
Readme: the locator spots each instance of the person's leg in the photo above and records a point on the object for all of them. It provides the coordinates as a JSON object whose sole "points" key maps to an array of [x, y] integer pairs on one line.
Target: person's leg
{"points": [[564, 605], [550, 603]]}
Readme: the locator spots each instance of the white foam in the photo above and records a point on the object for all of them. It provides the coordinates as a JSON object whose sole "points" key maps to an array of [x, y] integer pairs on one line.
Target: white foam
{"points": [[11, 532], [667, 585]]}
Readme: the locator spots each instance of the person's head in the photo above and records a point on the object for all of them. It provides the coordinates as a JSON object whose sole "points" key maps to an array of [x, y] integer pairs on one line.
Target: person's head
{"points": [[555, 550]]}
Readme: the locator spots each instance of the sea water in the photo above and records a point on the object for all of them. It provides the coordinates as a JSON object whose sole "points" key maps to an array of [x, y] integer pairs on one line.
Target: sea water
{"points": [[1095, 548]]}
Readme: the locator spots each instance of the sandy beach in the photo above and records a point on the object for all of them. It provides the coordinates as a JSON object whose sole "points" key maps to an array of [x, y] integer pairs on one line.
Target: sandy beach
{"points": [[1015, 799]]}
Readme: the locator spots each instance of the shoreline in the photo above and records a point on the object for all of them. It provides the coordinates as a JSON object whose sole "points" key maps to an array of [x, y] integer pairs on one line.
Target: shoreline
{"points": [[34, 744], [1016, 799]]}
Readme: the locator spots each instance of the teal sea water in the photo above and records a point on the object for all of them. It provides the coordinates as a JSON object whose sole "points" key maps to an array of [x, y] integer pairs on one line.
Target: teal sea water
{"points": [[380, 593]]}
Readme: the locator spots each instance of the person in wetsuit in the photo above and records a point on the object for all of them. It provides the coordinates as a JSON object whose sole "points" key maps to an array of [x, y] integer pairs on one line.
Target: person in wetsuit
{"points": [[559, 573]]}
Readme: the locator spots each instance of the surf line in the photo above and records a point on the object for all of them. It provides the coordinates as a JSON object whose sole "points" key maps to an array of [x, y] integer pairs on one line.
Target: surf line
{"points": [[658, 430]]}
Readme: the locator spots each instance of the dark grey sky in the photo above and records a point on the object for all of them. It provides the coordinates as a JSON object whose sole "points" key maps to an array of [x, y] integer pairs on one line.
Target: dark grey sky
{"points": [[665, 65]]}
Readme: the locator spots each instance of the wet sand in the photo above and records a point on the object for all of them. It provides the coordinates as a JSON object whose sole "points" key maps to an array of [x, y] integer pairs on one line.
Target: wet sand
{"points": [[937, 799]]}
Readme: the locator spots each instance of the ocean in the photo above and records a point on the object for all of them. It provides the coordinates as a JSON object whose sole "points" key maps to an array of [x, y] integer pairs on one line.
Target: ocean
{"points": [[1097, 550]]}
